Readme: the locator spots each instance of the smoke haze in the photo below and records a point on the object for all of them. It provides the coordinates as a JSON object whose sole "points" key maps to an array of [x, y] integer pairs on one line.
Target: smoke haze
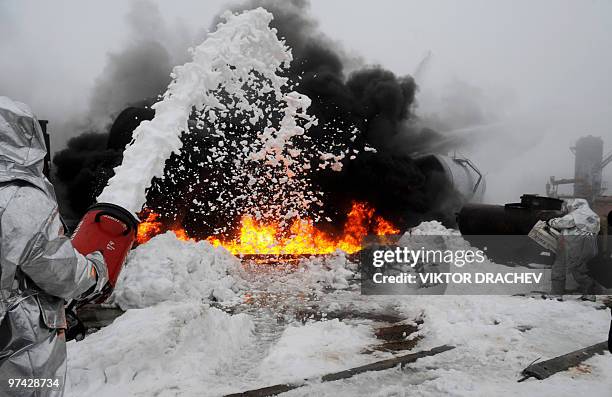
{"points": [[516, 82], [371, 100]]}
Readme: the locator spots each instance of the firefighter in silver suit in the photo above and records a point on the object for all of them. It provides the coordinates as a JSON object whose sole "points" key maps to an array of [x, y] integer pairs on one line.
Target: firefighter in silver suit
{"points": [[577, 245], [39, 268]]}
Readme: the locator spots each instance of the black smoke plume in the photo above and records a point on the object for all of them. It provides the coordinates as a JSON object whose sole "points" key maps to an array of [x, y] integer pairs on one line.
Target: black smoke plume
{"points": [[374, 100], [132, 77], [85, 166]]}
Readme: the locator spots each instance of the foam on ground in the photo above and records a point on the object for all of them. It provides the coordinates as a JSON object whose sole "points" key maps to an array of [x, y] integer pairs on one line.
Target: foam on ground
{"points": [[168, 349], [187, 348], [314, 349], [168, 269]]}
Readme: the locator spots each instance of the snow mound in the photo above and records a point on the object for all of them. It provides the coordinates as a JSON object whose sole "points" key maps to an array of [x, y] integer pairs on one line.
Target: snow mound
{"points": [[433, 235], [432, 228], [333, 271], [168, 269], [168, 349], [496, 337], [315, 349]]}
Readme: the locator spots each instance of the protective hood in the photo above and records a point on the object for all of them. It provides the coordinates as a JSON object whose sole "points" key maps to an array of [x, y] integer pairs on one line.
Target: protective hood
{"points": [[571, 205], [22, 144], [585, 219]]}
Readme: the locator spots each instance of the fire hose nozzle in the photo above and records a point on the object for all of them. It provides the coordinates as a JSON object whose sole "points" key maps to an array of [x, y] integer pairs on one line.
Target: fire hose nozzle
{"points": [[110, 229]]}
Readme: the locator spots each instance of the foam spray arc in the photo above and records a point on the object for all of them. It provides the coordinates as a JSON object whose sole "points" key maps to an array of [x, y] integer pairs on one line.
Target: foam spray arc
{"points": [[229, 58]]}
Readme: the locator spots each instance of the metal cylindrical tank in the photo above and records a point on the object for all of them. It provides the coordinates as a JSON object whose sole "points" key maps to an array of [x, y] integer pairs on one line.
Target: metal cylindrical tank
{"points": [[465, 178], [502, 229], [587, 169], [509, 219]]}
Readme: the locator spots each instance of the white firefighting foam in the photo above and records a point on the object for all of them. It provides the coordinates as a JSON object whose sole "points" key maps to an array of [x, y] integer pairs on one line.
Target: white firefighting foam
{"points": [[242, 44], [166, 349], [235, 71], [188, 348], [183, 270], [319, 347]]}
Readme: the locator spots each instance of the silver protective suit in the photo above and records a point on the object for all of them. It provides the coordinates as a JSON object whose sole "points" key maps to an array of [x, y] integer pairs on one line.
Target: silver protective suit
{"points": [[577, 245], [39, 268]]}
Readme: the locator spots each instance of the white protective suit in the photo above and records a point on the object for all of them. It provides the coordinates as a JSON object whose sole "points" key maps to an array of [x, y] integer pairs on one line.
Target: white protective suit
{"points": [[39, 268], [578, 244]]}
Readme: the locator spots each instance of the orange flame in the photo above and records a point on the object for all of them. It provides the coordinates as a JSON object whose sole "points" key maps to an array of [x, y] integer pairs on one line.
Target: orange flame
{"points": [[151, 226], [303, 237]]}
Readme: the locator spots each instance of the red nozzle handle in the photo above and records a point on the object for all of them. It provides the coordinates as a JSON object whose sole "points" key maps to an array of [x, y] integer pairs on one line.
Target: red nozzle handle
{"points": [[128, 227]]}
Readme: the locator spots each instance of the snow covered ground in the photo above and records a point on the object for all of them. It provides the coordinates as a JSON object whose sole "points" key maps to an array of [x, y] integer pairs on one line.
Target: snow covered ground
{"points": [[198, 323]]}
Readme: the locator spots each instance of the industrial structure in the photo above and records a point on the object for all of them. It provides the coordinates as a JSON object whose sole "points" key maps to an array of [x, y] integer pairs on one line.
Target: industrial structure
{"points": [[587, 181], [481, 224]]}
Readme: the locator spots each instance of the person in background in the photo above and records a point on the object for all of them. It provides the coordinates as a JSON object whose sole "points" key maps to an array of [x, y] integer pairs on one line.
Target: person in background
{"points": [[39, 267], [577, 245]]}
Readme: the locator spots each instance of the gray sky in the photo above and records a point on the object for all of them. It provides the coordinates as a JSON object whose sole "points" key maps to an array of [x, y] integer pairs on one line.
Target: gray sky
{"points": [[538, 73]]}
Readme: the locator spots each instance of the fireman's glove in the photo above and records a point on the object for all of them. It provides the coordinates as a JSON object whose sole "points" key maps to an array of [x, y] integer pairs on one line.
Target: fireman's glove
{"points": [[101, 274], [549, 225]]}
